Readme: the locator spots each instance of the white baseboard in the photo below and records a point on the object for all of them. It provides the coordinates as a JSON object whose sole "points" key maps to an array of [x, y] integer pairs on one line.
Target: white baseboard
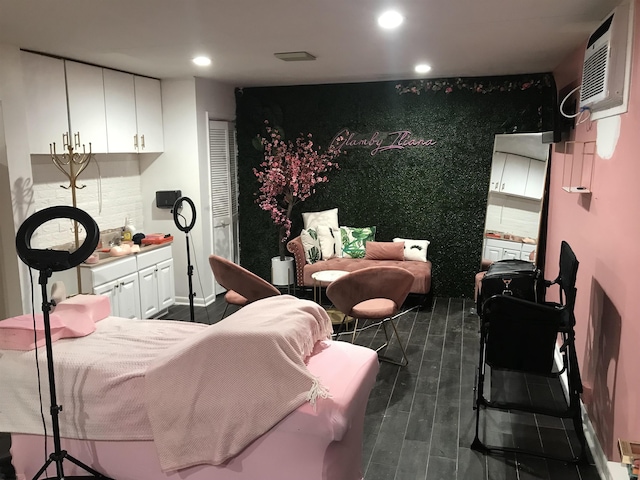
{"points": [[606, 470], [197, 302]]}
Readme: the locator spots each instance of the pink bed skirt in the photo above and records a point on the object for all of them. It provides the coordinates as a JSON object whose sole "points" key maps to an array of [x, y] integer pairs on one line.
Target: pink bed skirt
{"points": [[311, 445]]}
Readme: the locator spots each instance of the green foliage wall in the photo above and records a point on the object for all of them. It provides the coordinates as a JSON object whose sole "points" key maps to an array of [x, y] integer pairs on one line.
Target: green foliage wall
{"points": [[438, 193]]}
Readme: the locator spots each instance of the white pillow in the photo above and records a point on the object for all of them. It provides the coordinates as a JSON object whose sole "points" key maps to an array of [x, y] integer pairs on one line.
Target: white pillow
{"points": [[328, 218], [330, 243], [311, 246], [414, 249]]}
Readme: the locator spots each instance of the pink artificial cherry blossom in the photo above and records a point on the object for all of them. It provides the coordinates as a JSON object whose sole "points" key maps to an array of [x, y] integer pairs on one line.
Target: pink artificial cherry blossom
{"points": [[288, 175]]}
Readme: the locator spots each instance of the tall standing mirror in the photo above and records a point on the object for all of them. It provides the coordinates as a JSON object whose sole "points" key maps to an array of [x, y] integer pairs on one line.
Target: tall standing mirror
{"points": [[515, 202]]}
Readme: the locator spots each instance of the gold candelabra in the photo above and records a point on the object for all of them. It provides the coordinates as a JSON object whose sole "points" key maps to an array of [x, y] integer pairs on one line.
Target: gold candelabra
{"points": [[72, 164]]}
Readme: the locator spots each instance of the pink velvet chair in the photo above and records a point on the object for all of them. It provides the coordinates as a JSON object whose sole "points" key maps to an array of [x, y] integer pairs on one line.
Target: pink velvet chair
{"points": [[374, 293], [242, 285]]}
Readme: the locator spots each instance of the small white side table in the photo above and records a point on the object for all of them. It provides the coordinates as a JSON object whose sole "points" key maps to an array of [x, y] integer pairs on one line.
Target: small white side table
{"points": [[323, 279]]}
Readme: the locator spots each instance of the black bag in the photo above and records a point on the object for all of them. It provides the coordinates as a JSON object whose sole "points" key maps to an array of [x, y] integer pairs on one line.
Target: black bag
{"points": [[510, 277]]}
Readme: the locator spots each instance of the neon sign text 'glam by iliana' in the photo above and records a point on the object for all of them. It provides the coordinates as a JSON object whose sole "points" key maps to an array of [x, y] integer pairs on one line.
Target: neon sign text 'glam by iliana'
{"points": [[379, 141]]}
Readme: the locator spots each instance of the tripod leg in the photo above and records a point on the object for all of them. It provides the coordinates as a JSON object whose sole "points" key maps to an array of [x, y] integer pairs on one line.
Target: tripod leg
{"points": [[189, 277], [43, 468], [95, 473]]}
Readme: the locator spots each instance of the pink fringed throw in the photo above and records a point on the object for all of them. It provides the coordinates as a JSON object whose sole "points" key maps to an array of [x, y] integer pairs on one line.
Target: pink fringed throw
{"points": [[211, 395]]}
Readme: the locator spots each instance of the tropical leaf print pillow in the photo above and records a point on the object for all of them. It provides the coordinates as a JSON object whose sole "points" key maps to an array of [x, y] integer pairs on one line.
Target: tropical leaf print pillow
{"points": [[311, 245], [354, 240]]}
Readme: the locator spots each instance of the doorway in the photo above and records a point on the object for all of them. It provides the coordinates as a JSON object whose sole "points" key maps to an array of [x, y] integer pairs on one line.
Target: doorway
{"points": [[223, 165]]}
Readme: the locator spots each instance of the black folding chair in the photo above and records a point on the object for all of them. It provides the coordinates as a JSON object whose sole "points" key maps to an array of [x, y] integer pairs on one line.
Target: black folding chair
{"points": [[520, 335]]}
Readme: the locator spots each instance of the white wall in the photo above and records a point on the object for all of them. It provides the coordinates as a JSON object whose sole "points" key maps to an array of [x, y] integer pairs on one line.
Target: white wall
{"points": [[15, 177], [175, 169], [184, 166]]}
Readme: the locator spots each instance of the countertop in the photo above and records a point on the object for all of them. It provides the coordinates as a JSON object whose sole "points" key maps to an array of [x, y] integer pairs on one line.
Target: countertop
{"points": [[510, 238], [105, 258]]}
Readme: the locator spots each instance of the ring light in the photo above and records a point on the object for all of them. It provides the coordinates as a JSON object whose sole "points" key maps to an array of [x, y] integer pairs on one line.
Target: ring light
{"points": [[176, 206], [56, 260]]}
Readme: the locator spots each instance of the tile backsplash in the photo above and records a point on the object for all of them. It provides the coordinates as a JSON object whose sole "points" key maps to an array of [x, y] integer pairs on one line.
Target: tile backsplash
{"points": [[515, 215], [112, 193]]}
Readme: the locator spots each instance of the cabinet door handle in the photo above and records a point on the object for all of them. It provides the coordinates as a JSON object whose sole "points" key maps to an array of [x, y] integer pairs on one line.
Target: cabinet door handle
{"points": [[135, 142], [142, 141]]}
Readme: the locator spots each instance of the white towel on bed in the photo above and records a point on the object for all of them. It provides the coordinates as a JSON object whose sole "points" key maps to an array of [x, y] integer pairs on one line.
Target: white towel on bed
{"points": [[214, 393]]}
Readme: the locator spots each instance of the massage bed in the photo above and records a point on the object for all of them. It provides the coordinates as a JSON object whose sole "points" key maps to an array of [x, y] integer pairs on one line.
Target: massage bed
{"points": [[121, 430]]}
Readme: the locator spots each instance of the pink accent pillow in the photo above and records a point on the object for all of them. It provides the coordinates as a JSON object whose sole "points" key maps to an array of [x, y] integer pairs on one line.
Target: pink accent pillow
{"points": [[384, 250]]}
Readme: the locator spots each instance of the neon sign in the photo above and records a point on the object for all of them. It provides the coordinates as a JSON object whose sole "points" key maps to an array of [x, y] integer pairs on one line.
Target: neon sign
{"points": [[379, 141]]}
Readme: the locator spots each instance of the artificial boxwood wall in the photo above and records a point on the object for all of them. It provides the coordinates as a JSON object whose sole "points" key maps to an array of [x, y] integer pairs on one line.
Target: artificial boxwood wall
{"points": [[438, 193]]}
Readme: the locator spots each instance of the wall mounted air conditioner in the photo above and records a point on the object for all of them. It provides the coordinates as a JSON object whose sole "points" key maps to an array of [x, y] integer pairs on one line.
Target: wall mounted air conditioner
{"points": [[603, 74]]}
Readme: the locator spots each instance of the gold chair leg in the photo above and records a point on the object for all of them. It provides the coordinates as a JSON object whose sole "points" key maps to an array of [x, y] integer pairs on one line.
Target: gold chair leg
{"points": [[225, 311], [405, 360], [341, 327], [355, 330]]}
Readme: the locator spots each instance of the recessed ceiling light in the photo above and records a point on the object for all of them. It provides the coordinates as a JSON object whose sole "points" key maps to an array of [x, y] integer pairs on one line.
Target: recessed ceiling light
{"points": [[423, 68], [390, 19], [202, 61]]}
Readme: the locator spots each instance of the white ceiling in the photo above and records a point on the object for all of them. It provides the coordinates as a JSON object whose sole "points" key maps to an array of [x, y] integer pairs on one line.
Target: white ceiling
{"points": [[158, 38]]}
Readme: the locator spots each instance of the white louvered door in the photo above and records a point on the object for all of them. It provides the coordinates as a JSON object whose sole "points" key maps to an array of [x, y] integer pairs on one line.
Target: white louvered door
{"points": [[222, 183]]}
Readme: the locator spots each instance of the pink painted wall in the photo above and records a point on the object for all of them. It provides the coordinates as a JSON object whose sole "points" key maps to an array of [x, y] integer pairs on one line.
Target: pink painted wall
{"points": [[604, 231]]}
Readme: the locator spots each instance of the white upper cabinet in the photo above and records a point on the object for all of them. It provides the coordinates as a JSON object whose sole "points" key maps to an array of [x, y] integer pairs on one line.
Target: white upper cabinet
{"points": [[85, 89], [116, 112], [47, 119], [535, 179], [514, 175], [517, 175], [120, 103], [149, 114], [497, 167]]}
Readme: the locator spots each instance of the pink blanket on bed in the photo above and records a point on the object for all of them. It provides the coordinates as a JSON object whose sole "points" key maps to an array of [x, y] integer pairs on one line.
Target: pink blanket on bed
{"points": [[210, 396]]}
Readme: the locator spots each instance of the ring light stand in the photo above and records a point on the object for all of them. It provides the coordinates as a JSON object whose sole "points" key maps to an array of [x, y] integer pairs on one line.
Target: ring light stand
{"points": [[177, 205], [47, 262]]}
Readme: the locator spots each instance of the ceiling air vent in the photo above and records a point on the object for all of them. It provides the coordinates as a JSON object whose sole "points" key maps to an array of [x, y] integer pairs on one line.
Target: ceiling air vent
{"points": [[603, 74], [294, 56]]}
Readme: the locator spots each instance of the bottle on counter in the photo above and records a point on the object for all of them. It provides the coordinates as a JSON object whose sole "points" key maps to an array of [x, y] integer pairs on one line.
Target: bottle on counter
{"points": [[129, 230]]}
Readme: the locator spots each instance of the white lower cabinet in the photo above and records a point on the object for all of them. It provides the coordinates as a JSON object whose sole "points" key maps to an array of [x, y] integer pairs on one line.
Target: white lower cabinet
{"points": [[496, 249], [138, 286], [119, 281], [155, 274], [123, 295]]}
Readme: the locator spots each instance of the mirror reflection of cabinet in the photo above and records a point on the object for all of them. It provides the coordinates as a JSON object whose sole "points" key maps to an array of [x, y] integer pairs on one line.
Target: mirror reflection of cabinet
{"points": [[514, 205]]}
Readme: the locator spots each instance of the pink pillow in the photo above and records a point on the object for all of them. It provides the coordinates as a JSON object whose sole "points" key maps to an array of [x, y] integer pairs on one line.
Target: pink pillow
{"points": [[73, 317], [384, 250], [16, 333], [82, 308]]}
